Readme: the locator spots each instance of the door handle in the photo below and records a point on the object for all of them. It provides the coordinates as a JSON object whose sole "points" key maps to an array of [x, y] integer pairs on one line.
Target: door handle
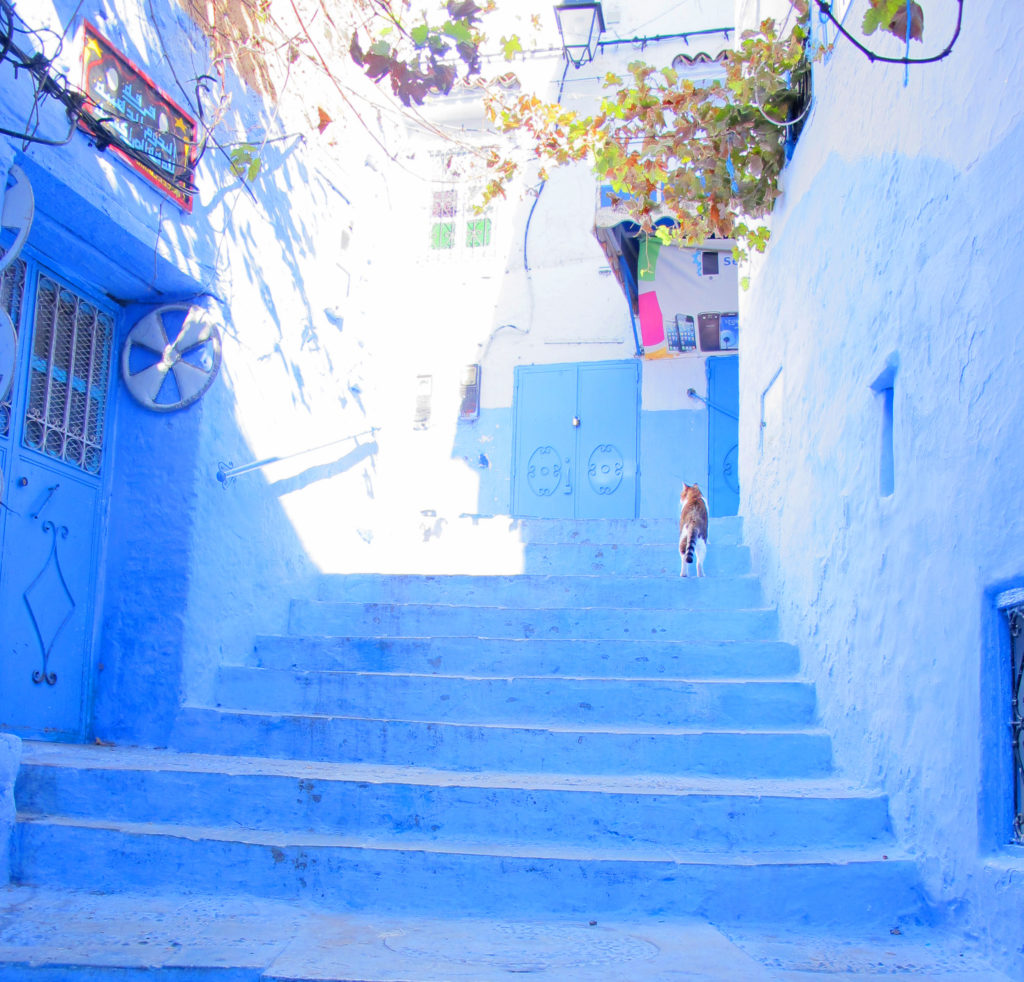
{"points": [[52, 491], [575, 421]]}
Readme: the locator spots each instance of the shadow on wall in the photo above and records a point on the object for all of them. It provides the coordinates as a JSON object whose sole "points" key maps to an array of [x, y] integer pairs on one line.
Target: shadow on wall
{"points": [[321, 472]]}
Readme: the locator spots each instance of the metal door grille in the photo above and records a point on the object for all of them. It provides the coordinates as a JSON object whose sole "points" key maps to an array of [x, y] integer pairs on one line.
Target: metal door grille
{"points": [[1016, 618], [12, 289], [69, 377]]}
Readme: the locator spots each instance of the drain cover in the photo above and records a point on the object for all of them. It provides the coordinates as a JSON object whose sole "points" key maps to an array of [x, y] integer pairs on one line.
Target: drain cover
{"points": [[524, 948]]}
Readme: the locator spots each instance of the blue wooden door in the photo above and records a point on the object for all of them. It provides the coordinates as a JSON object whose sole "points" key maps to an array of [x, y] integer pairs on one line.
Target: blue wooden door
{"points": [[544, 479], [576, 440], [723, 435], [51, 439], [608, 402]]}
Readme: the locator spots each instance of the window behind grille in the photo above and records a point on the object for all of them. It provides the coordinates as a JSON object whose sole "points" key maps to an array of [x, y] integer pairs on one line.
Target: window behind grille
{"points": [[459, 229], [12, 290], [1012, 604], [1016, 616], [69, 377]]}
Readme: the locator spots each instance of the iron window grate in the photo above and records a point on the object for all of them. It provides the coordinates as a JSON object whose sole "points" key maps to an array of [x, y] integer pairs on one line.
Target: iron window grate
{"points": [[1014, 611], [12, 290], [69, 377]]}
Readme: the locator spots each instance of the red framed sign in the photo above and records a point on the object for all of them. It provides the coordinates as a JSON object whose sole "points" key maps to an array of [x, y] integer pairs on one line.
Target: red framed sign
{"points": [[158, 136]]}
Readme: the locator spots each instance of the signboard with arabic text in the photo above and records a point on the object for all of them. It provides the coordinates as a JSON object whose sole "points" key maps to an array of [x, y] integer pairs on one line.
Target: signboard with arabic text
{"points": [[153, 134]]}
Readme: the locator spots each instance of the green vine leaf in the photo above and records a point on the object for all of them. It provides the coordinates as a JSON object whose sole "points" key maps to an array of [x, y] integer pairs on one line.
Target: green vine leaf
{"points": [[245, 162], [510, 47]]}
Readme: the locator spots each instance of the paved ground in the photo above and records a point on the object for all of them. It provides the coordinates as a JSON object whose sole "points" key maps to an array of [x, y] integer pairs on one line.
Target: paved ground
{"points": [[127, 937]]}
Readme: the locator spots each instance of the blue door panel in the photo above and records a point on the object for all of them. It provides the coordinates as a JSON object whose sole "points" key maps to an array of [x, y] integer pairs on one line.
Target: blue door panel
{"points": [[723, 435], [608, 394], [46, 600], [545, 441]]}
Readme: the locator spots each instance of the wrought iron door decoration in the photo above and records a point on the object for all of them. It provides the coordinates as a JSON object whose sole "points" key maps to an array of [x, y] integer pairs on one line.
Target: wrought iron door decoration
{"points": [[163, 374], [605, 468], [49, 600], [544, 472]]}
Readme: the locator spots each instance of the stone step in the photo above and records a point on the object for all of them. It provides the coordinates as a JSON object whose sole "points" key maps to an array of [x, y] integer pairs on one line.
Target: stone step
{"points": [[544, 591], [768, 753], [654, 559], [623, 531], [838, 886], [54, 935], [596, 623], [536, 700], [536, 656], [416, 805]]}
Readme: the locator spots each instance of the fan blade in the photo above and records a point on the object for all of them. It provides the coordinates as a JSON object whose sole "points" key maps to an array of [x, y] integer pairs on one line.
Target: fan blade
{"points": [[149, 333], [145, 385], [191, 381], [195, 331]]}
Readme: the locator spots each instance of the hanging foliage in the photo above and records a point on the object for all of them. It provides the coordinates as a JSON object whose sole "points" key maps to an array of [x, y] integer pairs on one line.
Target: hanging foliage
{"points": [[417, 56], [706, 155], [892, 16]]}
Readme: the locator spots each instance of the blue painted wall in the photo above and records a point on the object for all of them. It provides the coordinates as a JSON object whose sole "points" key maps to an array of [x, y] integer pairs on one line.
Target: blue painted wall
{"points": [[896, 244], [485, 445], [147, 565], [10, 756]]}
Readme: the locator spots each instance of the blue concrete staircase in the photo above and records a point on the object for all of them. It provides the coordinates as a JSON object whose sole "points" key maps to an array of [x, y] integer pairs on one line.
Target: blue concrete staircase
{"points": [[595, 737]]}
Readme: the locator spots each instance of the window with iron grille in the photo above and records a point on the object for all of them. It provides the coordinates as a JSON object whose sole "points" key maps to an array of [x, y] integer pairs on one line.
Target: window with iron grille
{"points": [[445, 203], [478, 233], [69, 377], [457, 226], [12, 289], [442, 235], [1012, 604]]}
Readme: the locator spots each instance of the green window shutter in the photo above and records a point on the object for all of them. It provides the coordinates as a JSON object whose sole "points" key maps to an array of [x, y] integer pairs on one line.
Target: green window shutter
{"points": [[478, 233], [442, 235]]}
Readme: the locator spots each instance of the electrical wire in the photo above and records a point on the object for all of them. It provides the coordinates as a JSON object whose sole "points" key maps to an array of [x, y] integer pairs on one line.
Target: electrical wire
{"points": [[543, 184], [77, 106], [826, 8]]}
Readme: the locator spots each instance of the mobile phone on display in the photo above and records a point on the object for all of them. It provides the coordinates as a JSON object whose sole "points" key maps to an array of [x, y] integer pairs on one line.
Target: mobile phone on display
{"points": [[729, 332], [708, 324], [682, 335]]}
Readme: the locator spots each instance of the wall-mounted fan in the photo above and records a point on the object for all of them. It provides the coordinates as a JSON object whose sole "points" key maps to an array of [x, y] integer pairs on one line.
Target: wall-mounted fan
{"points": [[171, 357], [8, 354], [19, 206]]}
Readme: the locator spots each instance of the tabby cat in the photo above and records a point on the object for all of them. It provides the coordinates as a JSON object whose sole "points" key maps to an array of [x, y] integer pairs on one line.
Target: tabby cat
{"points": [[693, 528]]}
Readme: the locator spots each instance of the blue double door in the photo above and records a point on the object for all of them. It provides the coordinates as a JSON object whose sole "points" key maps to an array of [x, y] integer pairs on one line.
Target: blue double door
{"points": [[576, 440]]}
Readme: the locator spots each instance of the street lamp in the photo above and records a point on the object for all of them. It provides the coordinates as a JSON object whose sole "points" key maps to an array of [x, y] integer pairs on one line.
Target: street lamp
{"points": [[580, 25]]}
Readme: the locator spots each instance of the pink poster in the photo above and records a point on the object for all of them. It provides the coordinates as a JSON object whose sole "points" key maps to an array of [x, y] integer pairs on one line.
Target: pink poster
{"points": [[652, 325]]}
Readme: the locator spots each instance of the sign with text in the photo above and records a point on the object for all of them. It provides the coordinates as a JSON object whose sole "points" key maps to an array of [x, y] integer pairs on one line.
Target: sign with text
{"points": [[158, 135]]}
